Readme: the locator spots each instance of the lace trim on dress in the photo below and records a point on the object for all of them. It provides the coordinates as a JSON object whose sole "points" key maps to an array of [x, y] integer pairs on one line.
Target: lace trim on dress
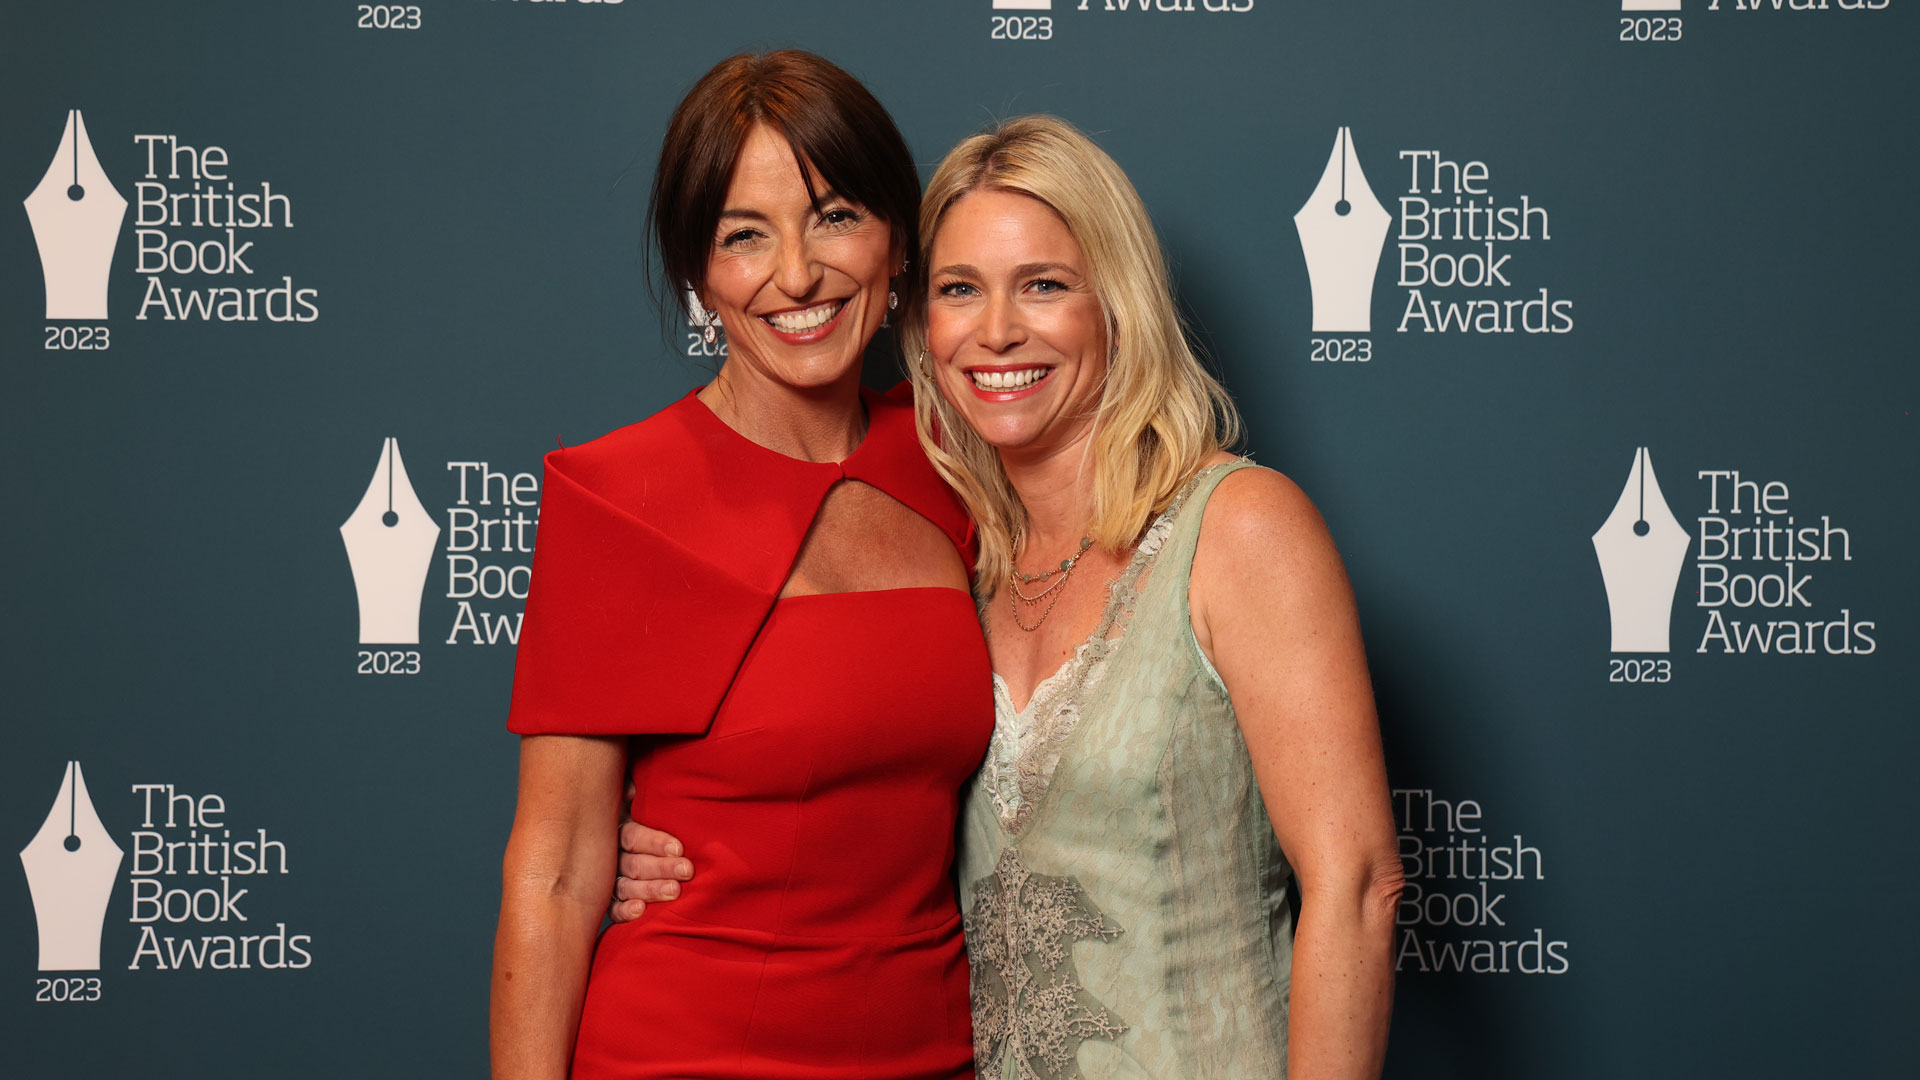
{"points": [[1026, 745], [1028, 1001]]}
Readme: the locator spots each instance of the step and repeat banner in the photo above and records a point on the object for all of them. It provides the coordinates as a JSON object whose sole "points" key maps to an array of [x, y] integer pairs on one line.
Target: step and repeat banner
{"points": [[1585, 323]]}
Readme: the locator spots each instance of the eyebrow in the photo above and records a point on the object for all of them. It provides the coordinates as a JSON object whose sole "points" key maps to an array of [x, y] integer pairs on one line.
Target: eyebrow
{"points": [[826, 197], [1021, 271]]}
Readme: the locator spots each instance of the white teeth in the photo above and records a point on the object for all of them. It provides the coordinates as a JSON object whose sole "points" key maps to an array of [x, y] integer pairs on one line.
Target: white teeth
{"points": [[1007, 380], [798, 322]]}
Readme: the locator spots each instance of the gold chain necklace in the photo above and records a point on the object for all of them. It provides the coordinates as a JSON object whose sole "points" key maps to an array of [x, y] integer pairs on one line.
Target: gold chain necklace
{"points": [[1059, 576]]}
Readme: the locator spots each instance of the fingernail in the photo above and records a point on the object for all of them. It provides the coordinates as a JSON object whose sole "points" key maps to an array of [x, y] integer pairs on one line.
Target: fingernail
{"points": [[683, 870], [674, 848], [670, 890]]}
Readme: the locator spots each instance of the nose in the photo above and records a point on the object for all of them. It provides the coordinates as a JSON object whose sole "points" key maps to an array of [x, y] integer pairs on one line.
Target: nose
{"points": [[797, 274], [1001, 328]]}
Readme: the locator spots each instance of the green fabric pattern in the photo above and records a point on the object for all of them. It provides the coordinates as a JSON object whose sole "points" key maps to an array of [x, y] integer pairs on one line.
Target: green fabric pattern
{"points": [[1125, 897]]}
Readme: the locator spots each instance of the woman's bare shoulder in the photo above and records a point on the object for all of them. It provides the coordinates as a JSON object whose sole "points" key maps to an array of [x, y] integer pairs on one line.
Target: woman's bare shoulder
{"points": [[1263, 543], [1254, 511]]}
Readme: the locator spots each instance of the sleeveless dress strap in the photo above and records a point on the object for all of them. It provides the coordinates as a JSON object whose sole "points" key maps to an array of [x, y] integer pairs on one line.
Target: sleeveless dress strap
{"points": [[1170, 527], [1188, 512]]}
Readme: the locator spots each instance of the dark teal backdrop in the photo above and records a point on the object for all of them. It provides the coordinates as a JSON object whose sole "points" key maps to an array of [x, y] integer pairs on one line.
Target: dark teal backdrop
{"points": [[1707, 810]]}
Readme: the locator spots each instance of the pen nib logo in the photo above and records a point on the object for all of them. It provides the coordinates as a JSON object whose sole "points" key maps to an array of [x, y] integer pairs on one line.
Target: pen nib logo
{"points": [[76, 215], [1343, 230], [390, 539], [70, 865], [1642, 549]]}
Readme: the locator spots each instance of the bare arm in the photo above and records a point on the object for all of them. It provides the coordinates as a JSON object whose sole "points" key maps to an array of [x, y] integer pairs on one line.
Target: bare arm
{"points": [[554, 884], [1274, 612]]}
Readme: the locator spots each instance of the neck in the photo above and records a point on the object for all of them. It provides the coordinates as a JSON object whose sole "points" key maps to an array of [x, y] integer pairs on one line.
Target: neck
{"points": [[812, 423], [1055, 486]]}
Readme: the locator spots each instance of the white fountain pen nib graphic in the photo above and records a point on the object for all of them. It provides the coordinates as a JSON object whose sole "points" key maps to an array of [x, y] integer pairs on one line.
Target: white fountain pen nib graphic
{"points": [[70, 866], [390, 539], [76, 214], [1642, 549], [1343, 229]]}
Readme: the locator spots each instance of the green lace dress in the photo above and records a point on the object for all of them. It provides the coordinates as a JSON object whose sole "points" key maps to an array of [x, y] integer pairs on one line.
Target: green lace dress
{"points": [[1125, 898]]}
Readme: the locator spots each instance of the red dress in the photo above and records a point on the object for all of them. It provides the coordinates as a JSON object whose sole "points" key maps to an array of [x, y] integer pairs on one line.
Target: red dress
{"points": [[809, 751]]}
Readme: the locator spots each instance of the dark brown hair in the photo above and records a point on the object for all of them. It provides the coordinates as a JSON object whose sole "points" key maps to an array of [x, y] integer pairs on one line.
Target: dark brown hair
{"points": [[832, 122]]}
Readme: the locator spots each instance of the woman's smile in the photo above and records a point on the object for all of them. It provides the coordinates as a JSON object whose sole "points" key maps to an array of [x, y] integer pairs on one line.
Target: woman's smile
{"points": [[1007, 383], [806, 325]]}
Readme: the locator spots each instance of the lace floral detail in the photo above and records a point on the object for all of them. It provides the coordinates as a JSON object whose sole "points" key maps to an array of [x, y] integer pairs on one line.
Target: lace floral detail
{"points": [[1028, 1002], [1026, 745]]}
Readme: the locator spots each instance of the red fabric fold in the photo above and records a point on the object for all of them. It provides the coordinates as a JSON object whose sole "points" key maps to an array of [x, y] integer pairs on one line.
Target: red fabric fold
{"points": [[627, 631], [661, 550]]}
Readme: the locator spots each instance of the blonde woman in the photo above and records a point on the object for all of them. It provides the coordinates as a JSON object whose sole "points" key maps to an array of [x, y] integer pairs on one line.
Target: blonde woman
{"points": [[1184, 743]]}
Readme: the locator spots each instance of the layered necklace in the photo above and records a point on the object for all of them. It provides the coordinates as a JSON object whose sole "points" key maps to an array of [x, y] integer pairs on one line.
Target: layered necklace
{"points": [[1051, 583]]}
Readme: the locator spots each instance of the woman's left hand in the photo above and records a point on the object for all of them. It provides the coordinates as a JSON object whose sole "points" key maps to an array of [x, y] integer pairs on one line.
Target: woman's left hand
{"points": [[652, 866]]}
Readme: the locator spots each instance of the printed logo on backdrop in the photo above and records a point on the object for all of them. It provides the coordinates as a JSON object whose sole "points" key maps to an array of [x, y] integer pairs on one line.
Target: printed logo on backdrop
{"points": [[1217, 7], [1343, 231], [1797, 5], [1463, 909], [190, 215], [70, 865], [390, 539], [1641, 28], [1025, 21], [190, 889], [1642, 549], [197, 236], [1762, 574], [76, 213], [1457, 241]]}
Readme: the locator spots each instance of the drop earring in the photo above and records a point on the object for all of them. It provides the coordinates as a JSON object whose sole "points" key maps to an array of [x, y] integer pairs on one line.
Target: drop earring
{"points": [[707, 321], [893, 298]]}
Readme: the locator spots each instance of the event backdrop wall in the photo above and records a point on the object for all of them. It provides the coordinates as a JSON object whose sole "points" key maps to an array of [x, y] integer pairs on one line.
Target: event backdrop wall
{"points": [[1581, 321]]}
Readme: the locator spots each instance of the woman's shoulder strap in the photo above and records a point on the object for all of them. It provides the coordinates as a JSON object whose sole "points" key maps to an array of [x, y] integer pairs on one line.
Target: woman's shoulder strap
{"points": [[1190, 509]]}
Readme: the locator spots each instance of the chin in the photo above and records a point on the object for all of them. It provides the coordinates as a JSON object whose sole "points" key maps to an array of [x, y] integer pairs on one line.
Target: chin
{"points": [[821, 374], [1002, 436]]}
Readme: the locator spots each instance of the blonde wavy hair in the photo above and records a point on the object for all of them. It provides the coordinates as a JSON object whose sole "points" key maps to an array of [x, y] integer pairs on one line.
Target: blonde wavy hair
{"points": [[1161, 415]]}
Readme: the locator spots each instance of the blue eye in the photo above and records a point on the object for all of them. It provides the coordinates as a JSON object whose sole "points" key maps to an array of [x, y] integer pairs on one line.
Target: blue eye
{"points": [[955, 288], [1048, 285]]}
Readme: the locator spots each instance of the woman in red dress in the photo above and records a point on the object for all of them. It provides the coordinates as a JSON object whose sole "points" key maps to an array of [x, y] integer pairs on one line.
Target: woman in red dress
{"points": [[767, 583]]}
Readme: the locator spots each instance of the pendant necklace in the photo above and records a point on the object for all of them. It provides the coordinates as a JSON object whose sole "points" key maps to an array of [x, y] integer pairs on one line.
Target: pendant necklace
{"points": [[1054, 579]]}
